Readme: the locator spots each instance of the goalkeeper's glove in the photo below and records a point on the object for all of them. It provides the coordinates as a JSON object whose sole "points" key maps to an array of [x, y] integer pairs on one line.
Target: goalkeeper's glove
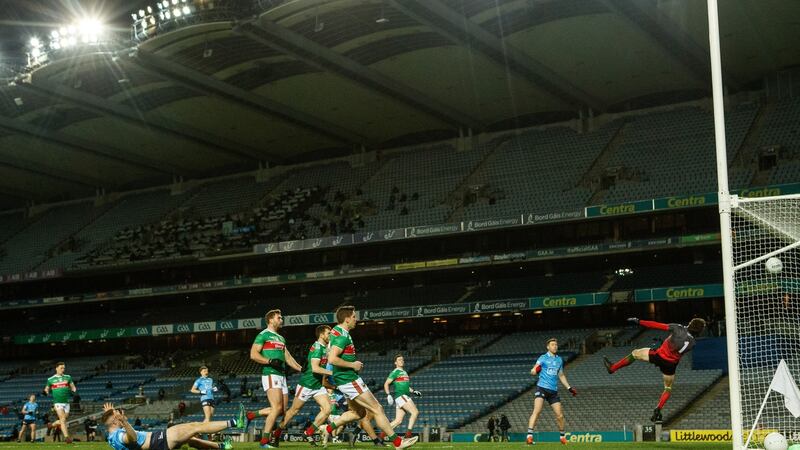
{"points": [[633, 320], [416, 393], [389, 399], [214, 389], [573, 391]]}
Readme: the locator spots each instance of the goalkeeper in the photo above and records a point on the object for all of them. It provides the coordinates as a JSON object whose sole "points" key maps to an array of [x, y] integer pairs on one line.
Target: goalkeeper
{"points": [[402, 401], [680, 341]]}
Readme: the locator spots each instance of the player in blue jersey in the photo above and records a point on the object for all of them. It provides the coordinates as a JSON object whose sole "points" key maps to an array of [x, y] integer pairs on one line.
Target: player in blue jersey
{"points": [[29, 410], [550, 368], [121, 435], [205, 387]]}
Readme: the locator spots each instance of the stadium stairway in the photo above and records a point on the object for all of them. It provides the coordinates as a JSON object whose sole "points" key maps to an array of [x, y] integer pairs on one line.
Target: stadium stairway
{"points": [[709, 411]]}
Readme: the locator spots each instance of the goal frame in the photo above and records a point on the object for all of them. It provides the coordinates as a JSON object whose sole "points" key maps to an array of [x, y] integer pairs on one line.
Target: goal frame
{"points": [[726, 203]]}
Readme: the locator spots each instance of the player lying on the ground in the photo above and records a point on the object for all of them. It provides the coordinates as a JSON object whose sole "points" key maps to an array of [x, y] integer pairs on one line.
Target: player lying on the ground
{"points": [[122, 436], [679, 342], [550, 368], [402, 400]]}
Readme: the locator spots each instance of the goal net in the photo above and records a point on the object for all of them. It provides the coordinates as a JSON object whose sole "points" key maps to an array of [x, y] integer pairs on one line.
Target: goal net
{"points": [[766, 244]]}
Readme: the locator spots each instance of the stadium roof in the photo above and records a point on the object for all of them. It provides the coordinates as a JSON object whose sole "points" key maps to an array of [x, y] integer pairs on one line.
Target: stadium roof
{"points": [[307, 79]]}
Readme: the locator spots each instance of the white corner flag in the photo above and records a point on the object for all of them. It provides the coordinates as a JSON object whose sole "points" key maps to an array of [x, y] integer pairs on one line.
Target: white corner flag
{"points": [[783, 383]]}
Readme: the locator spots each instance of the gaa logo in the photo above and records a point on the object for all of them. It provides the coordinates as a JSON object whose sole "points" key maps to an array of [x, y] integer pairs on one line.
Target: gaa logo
{"points": [[184, 328], [338, 240], [296, 320], [226, 325], [368, 237], [319, 318], [247, 323], [142, 331], [317, 243], [204, 326], [162, 329], [389, 234]]}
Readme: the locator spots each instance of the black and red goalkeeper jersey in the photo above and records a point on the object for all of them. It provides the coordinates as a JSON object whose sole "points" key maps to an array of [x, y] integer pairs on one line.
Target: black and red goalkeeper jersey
{"points": [[677, 344]]}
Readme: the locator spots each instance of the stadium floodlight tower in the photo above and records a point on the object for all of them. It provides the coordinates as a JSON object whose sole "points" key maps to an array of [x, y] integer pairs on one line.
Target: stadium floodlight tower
{"points": [[760, 248]]}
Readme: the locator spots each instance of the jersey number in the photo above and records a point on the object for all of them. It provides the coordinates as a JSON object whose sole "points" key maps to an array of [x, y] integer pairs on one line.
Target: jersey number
{"points": [[685, 344]]}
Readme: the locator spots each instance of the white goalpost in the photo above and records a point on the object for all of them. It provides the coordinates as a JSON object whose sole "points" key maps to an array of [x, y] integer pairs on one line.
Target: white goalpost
{"points": [[761, 269]]}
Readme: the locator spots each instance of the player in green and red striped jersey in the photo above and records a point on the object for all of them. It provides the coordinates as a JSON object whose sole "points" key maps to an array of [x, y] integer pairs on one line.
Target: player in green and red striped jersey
{"points": [[62, 388], [402, 395], [342, 355], [269, 349], [310, 384]]}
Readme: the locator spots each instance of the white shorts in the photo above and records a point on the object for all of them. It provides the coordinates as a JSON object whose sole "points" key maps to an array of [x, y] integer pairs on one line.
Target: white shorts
{"points": [[333, 419], [274, 382], [305, 394], [353, 389], [63, 406], [399, 402]]}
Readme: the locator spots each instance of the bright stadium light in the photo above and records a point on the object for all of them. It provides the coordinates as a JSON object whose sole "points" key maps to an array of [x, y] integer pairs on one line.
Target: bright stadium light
{"points": [[149, 10], [166, 3], [167, 15], [35, 43], [141, 13], [174, 2], [176, 12], [186, 11]]}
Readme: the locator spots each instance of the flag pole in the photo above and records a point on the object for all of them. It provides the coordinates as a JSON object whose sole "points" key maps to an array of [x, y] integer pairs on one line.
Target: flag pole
{"points": [[761, 410]]}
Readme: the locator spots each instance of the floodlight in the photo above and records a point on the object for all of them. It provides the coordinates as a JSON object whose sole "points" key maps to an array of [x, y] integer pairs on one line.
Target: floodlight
{"points": [[35, 43], [186, 10], [149, 10], [176, 12]]}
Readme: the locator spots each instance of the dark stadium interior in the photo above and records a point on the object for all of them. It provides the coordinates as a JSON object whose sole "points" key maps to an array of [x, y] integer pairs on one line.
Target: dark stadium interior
{"points": [[474, 176]]}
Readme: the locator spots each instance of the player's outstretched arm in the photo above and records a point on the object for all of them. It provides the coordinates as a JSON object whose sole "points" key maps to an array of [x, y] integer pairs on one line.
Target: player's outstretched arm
{"points": [[654, 325], [291, 361]]}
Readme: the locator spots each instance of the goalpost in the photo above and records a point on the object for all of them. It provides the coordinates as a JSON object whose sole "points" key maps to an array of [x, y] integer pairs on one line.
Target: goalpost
{"points": [[762, 307]]}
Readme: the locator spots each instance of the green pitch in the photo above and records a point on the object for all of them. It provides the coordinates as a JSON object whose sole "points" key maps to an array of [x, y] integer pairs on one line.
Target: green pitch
{"points": [[365, 446]]}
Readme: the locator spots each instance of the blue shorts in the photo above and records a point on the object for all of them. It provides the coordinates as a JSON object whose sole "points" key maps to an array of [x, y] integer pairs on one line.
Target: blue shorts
{"points": [[158, 440], [209, 402], [547, 394]]}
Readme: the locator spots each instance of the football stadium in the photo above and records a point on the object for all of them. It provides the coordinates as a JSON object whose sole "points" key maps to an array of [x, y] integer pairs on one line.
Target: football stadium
{"points": [[438, 224]]}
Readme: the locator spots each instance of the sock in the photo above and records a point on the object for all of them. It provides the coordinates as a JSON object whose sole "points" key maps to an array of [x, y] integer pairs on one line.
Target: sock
{"points": [[251, 415], [395, 439], [312, 429], [626, 361], [530, 431], [563, 434], [331, 426], [231, 423], [408, 433], [277, 432], [664, 397], [264, 440]]}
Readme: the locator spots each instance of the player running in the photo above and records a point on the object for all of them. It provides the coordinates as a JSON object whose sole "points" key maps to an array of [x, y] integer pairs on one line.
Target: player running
{"points": [[342, 355], [680, 341], [310, 384], [402, 388], [122, 436], [29, 410], [550, 368], [205, 387], [62, 388], [269, 350]]}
